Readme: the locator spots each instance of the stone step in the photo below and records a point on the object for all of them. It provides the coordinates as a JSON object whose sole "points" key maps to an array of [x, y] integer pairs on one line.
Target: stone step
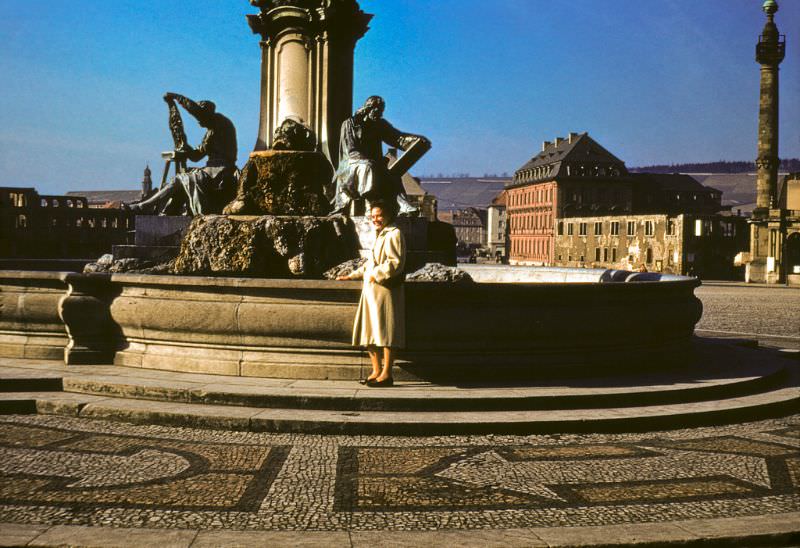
{"points": [[777, 402], [408, 396], [758, 373]]}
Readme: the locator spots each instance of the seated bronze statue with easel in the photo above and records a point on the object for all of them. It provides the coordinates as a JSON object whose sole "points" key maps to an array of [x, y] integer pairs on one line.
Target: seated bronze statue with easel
{"points": [[200, 190]]}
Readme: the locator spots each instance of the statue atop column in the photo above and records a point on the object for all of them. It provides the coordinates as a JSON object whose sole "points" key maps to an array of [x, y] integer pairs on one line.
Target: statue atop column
{"points": [[202, 190], [363, 172]]}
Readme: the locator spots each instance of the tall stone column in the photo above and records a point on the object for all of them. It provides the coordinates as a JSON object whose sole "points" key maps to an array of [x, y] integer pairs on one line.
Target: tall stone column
{"points": [[307, 65], [770, 51]]}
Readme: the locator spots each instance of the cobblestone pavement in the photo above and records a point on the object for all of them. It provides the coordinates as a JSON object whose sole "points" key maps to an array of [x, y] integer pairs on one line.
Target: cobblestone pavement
{"points": [[771, 315], [62, 471]]}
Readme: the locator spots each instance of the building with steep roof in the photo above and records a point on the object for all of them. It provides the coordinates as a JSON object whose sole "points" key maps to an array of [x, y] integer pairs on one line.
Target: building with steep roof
{"points": [[566, 204]]}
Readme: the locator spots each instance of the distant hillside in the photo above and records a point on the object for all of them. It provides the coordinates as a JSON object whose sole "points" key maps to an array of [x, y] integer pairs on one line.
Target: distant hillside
{"points": [[788, 165]]}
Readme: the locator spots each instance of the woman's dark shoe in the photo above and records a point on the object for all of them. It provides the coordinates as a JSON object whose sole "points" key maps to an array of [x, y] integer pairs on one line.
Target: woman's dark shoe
{"points": [[367, 380], [378, 384]]}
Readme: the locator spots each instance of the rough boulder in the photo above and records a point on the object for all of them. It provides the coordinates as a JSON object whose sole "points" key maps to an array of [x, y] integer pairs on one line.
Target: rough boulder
{"points": [[266, 246]]}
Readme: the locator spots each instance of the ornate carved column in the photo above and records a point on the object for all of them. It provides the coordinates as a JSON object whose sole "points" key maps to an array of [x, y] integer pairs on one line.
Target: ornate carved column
{"points": [[307, 52], [770, 51]]}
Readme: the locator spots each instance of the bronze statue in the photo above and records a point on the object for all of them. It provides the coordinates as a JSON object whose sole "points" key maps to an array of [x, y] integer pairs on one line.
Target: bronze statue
{"points": [[294, 135], [203, 190], [363, 173]]}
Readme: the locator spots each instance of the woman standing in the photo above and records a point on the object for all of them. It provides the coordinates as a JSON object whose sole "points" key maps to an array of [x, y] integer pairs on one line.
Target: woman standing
{"points": [[380, 320]]}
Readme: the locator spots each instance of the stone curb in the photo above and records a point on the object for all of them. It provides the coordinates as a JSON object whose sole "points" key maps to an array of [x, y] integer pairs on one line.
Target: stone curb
{"points": [[626, 419], [720, 283], [411, 399], [764, 530]]}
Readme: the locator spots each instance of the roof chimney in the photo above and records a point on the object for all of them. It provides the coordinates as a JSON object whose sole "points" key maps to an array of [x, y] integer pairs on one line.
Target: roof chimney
{"points": [[572, 137], [558, 141], [545, 144]]}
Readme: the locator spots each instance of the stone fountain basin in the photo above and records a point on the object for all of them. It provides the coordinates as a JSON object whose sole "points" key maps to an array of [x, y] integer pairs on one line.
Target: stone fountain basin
{"points": [[515, 322]]}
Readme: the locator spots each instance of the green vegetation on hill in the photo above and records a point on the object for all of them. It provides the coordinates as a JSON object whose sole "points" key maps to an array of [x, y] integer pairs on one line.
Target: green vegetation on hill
{"points": [[787, 165]]}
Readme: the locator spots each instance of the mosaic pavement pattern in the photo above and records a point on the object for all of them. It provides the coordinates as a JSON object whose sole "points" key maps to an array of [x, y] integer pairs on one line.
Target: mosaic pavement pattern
{"points": [[73, 471]]}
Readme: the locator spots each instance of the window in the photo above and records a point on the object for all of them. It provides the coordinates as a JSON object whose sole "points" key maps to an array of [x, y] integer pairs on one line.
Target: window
{"points": [[631, 228], [728, 229], [698, 227], [18, 199], [615, 228], [570, 230], [598, 228], [582, 259], [21, 221], [605, 255], [648, 228], [560, 228], [670, 227], [597, 254], [582, 229], [649, 255], [613, 254]]}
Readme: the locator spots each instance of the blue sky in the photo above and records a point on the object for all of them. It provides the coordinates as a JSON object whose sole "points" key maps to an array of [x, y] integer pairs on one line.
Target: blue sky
{"points": [[655, 81]]}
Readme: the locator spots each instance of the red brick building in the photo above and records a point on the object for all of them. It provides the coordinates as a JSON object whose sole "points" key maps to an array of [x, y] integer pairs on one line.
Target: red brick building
{"points": [[553, 184], [576, 177]]}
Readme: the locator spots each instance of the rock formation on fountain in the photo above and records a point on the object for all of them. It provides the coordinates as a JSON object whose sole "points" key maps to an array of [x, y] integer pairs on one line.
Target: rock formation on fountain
{"points": [[287, 180], [267, 246]]}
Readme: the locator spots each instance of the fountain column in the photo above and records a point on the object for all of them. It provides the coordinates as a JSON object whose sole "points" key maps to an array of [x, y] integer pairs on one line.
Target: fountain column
{"points": [[307, 51]]}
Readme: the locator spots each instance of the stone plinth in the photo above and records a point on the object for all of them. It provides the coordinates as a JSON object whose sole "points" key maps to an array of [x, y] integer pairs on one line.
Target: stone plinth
{"points": [[283, 182], [158, 238], [266, 246]]}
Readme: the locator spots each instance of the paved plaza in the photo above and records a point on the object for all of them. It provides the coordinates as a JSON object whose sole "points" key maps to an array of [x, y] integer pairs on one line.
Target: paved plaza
{"points": [[61, 471], [67, 480], [769, 314]]}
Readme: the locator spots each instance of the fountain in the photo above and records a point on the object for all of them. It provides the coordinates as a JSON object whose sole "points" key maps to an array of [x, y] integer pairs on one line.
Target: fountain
{"points": [[510, 322]]}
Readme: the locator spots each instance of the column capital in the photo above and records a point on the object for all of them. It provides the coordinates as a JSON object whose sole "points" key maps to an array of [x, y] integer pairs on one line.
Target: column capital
{"points": [[342, 18]]}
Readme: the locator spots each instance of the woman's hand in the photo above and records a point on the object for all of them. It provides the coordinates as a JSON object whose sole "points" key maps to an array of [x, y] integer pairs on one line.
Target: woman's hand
{"points": [[342, 278]]}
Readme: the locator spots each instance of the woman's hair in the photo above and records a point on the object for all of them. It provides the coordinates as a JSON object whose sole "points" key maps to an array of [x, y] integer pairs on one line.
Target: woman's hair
{"points": [[389, 208]]}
